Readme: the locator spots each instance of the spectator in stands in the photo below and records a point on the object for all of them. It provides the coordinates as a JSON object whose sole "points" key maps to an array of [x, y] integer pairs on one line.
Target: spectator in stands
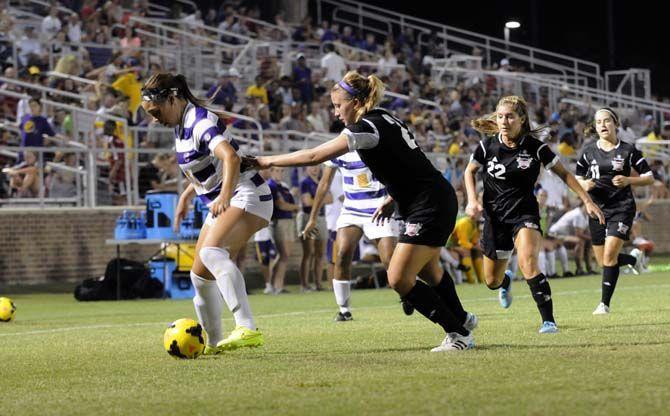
{"points": [[34, 126], [231, 25], [314, 243], [224, 92], [388, 60], [283, 225], [315, 118], [99, 55], [369, 43], [327, 32], [117, 162], [62, 183], [9, 104], [333, 64], [131, 41], [51, 24], [73, 28], [257, 89], [348, 37], [24, 180], [30, 49], [302, 78]]}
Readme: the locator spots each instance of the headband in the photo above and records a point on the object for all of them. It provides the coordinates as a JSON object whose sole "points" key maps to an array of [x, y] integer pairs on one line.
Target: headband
{"points": [[614, 116], [158, 94], [348, 88]]}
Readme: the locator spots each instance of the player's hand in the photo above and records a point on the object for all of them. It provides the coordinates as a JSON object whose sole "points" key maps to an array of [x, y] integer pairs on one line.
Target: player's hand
{"points": [[595, 212], [248, 162], [310, 228], [383, 212], [221, 203], [589, 184], [473, 209], [621, 181], [179, 214]]}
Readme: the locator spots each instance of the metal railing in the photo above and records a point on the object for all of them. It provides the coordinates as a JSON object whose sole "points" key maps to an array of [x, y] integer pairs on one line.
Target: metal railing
{"points": [[385, 22]]}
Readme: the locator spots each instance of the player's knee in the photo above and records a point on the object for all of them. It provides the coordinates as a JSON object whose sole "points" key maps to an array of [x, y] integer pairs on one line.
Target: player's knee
{"points": [[211, 256]]}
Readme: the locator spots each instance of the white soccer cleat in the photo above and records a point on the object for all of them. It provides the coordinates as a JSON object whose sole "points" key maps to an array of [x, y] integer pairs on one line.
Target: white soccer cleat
{"points": [[269, 290], [602, 309], [640, 260], [455, 342]]}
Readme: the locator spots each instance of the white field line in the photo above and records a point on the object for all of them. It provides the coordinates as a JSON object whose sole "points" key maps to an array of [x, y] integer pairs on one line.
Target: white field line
{"points": [[298, 313]]}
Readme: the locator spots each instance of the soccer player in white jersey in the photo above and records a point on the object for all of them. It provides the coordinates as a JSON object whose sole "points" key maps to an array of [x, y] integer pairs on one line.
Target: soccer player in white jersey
{"points": [[363, 193], [239, 204]]}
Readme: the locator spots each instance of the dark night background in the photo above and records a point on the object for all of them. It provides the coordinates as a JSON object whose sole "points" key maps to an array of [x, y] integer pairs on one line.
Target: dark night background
{"points": [[574, 28]]}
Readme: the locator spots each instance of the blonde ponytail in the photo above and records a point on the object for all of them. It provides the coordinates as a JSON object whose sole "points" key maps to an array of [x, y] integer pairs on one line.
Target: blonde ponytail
{"points": [[368, 91]]}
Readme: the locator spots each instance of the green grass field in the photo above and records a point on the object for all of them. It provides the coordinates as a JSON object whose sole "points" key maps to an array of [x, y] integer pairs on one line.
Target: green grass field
{"points": [[64, 357]]}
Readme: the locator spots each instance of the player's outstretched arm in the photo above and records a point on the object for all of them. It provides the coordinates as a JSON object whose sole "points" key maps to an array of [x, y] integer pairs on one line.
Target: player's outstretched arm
{"points": [[307, 157]]}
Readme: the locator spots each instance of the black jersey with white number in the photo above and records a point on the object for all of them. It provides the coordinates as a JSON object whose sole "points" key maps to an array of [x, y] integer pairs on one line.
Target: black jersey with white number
{"points": [[602, 166], [510, 175], [387, 147]]}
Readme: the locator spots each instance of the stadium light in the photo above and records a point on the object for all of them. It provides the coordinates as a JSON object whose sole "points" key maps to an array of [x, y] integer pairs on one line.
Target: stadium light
{"points": [[512, 24]]}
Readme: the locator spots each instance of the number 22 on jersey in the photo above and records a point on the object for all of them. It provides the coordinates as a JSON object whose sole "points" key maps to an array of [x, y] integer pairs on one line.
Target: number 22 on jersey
{"points": [[495, 169]]}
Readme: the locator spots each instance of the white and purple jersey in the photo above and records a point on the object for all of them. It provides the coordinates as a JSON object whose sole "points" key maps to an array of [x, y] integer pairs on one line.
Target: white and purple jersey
{"points": [[195, 142], [363, 193]]}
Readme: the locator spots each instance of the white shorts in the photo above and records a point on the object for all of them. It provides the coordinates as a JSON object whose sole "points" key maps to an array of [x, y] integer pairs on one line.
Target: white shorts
{"points": [[371, 230], [253, 199]]}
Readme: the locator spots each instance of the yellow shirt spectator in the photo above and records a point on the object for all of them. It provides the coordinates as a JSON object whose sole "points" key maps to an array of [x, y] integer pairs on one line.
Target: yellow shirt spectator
{"points": [[258, 92], [131, 87], [465, 234]]}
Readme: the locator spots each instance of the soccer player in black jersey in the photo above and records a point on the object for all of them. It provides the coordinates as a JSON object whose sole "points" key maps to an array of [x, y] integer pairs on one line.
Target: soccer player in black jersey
{"points": [[604, 170], [425, 201], [511, 157]]}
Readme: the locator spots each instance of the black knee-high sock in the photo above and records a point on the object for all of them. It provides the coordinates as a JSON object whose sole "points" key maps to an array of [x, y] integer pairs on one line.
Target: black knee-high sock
{"points": [[505, 283], [429, 304], [541, 292], [625, 259], [610, 277], [447, 292]]}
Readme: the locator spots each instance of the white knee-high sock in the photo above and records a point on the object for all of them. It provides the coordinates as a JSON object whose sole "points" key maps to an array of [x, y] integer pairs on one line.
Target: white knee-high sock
{"points": [[542, 260], [342, 290], [230, 281], [208, 304], [551, 262], [563, 258]]}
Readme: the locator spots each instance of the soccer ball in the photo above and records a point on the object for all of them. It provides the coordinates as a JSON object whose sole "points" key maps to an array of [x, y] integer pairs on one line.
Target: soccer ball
{"points": [[184, 339], [7, 310]]}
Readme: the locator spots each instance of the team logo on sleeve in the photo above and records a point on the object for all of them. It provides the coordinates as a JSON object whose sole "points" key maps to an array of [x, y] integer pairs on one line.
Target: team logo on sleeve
{"points": [[617, 162], [412, 230], [206, 137], [531, 225], [524, 160]]}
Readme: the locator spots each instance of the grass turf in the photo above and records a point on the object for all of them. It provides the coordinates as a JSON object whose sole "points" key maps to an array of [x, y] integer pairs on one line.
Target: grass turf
{"points": [[64, 357]]}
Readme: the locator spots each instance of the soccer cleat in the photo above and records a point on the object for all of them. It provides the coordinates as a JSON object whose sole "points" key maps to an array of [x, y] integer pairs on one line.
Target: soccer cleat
{"points": [[407, 307], [343, 317], [505, 295], [471, 322], [269, 290], [455, 342], [602, 309], [638, 267], [241, 337], [548, 327], [212, 350], [568, 274]]}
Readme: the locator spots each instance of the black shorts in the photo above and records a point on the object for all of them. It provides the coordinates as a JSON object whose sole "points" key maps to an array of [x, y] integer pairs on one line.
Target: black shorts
{"points": [[617, 225], [432, 225], [498, 238]]}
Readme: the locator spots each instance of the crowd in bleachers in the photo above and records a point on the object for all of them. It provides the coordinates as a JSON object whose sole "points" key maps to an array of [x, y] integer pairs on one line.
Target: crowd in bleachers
{"points": [[97, 41]]}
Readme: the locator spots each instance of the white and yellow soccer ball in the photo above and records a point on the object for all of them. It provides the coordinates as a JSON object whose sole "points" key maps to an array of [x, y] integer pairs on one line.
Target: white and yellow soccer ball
{"points": [[7, 310], [184, 338]]}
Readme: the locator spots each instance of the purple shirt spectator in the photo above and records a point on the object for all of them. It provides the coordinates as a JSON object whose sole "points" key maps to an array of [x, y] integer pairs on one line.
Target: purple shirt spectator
{"points": [[278, 189], [308, 186], [32, 129]]}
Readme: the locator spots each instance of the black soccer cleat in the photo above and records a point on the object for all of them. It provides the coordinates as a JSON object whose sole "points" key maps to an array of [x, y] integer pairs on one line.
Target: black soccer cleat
{"points": [[343, 317], [407, 307]]}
